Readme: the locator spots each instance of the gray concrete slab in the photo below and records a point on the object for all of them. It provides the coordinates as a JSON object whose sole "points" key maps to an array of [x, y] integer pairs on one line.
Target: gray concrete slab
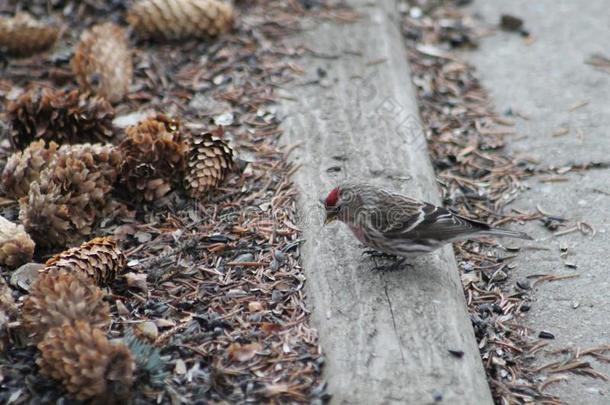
{"points": [[544, 80], [386, 335]]}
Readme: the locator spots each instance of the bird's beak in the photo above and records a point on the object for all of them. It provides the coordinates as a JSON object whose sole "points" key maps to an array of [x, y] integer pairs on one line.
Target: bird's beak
{"points": [[330, 217]]}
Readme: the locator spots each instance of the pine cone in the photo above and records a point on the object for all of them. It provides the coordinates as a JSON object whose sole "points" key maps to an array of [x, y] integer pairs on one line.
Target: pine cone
{"points": [[180, 19], [71, 8], [102, 62], [61, 116], [45, 213], [22, 35], [58, 298], [102, 159], [154, 157], [9, 312], [22, 168], [16, 246], [210, 159], [65, 203], [100, 259], [87, 364]]}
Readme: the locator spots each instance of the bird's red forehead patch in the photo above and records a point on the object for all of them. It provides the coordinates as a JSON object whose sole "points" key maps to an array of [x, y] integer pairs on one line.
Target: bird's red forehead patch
{"points": [[332, 197]]}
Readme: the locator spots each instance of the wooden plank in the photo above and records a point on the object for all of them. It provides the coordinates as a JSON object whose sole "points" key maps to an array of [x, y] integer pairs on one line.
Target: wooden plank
{"points": [[386, 335]]}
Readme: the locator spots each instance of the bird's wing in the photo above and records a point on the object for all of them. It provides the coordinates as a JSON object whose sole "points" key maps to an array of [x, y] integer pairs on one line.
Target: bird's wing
{"points": [[411, 219]]}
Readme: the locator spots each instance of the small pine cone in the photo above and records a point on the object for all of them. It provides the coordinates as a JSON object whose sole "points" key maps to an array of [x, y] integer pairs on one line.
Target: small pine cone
{"points": [[61, 116], [88, 365], [24, 167], [154, 157], [9, 312], [16, 246], [45, 213], [210, 159], [102, 159], [180, 19], [102, 62], [23, 35], [100, 259], [65, 203], [71, 8], [58, 298]]}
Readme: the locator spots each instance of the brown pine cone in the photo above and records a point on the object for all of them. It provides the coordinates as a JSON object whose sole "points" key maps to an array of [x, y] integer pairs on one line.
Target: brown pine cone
{"points": [[45, 213], [22, 35], [24, 167], [154, 157], [210, 160], [101, 159], [180, 19], [70, 8], [58, 298], [99, 259], [71, 195], [102, 62], [59, 115], [9, 312], [87, 364], [16, 246]]}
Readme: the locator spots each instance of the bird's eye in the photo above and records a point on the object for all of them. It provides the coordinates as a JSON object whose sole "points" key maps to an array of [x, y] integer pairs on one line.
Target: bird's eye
{"points": [[347, 196]]}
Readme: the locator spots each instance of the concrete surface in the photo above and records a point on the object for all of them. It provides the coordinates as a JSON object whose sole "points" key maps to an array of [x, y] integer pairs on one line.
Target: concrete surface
{"points": [[386, 335], [544, 80]]}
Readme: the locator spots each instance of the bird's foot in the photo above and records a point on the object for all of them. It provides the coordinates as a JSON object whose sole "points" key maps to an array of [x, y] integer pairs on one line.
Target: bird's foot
{"points": [[398, 264], [375, 254]]}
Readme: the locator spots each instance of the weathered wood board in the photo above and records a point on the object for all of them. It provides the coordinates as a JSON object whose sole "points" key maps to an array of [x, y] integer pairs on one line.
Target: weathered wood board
{"points": [[386, 335]]}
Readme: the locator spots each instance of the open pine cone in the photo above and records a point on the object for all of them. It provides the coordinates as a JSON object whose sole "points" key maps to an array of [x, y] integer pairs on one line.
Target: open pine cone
{"points": [[71, 195], [154, 157], [180, 19], [58, 298], [102, 62], [99, 259], [46, 213], [72, 8], [9, 312], [24, 167], [88, 365], [103, 159], [210, 159], [16, 246], [23, 35], [61, 116]]}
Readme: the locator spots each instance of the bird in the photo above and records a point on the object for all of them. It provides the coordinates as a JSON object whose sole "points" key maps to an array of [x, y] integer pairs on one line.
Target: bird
{"points": [[399, 226]]}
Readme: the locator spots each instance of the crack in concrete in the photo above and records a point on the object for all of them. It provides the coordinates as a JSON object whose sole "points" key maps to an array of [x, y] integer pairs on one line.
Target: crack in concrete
{"points": [[387, 296]]}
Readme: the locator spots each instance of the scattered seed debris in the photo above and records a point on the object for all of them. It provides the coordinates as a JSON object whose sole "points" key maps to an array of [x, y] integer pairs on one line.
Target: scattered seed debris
{"points": [[600, 62], [457, 353], [561, 131], [511, 23], [578, 105]]}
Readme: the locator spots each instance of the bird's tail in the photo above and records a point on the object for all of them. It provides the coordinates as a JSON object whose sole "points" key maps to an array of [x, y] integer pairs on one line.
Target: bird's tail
{"points": [[505, 233]]}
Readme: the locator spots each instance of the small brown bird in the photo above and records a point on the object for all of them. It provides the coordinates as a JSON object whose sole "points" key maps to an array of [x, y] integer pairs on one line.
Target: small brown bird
{"points": [[398, 225]]}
